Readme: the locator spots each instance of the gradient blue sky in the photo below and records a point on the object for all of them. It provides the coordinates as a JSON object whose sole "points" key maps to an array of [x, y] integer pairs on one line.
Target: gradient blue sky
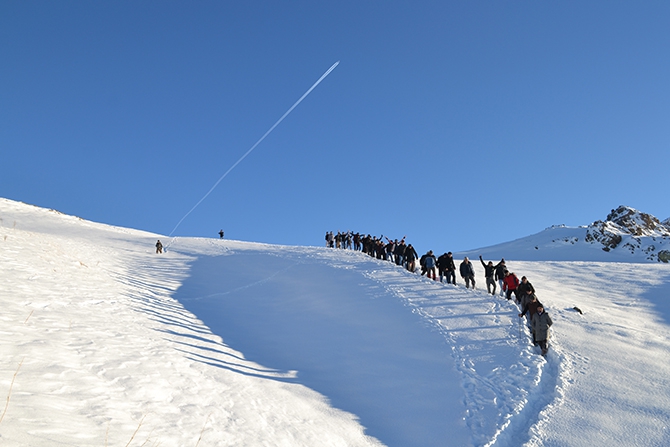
{"points": [[459, 124]]}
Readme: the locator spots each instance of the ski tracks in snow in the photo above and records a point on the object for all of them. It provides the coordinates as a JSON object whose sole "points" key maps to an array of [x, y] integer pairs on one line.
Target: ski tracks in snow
{"points": [[510, 390]]}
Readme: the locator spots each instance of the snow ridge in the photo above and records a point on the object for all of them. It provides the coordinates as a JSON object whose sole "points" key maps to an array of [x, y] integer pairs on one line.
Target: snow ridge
{"points": [[503, 398]]}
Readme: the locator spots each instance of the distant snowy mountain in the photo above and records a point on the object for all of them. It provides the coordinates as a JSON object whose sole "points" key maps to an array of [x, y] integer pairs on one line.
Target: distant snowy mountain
{"points": [[626, 235]]}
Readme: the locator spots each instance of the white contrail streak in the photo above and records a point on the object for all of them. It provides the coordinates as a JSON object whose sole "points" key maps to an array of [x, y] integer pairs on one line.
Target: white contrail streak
{"points": [[257, 143]]}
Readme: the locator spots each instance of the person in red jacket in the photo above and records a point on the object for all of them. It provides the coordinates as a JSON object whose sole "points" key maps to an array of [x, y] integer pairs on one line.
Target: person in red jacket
{"points": [[510, 283]]}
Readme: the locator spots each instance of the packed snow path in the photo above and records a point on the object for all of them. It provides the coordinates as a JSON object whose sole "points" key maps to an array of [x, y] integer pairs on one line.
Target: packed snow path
{"points": [[238, 344]]}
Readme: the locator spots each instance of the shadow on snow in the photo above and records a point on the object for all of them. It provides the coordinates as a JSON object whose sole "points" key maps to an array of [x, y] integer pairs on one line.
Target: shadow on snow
{"points": [[366, 352]]}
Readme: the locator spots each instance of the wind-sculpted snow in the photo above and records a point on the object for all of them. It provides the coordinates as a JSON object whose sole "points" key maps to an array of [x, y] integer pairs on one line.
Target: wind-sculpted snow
{"points": [[97, 352], [504, 384], [500, 373], [227, 343], [305, 311]]}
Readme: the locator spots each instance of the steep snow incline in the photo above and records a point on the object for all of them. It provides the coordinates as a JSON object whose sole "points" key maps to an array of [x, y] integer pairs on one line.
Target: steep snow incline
{"points": [[337, 317], [616, 355], [314, 311], [499, 371], [97, 352], [238, 344]]}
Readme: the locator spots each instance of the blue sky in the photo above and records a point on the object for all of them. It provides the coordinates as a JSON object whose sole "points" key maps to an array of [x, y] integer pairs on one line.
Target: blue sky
{"points": [[458, 124]]}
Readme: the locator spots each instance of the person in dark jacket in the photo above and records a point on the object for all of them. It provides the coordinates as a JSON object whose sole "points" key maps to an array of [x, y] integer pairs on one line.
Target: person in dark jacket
{"points": [[399, 252], [467, 272], [525, 285], [440, 265], [525, 298], [159, 246], [450, 269], [447, 268], [410, 258], [390, 247], [381, 249], [357, 241], [501, 268], [366, 241], [541, 322], [529, 310], [489, 272]]}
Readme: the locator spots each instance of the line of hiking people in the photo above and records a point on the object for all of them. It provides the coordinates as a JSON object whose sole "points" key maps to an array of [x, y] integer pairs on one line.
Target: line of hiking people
{"points": [[403, 254], [496, 275], [394, 251], [523, 291]]}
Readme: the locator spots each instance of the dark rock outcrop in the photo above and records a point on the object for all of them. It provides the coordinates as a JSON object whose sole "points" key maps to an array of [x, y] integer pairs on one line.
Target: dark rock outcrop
{"points": [[637, 223], [630, 229]]}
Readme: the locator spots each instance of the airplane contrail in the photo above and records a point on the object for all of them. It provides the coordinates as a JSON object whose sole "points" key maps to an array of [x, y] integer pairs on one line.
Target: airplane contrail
{"points": [[257, 143]]}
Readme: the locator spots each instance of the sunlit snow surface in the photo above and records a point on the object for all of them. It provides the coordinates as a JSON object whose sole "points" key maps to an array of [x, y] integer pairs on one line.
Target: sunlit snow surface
{"points": [[226, 343]]}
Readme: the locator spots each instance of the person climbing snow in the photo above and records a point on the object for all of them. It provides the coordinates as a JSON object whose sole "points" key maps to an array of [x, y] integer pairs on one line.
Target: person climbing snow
{"points": [[159, 246], [489, 272], [510, 283], [541, 322], [467, 273], [428, 266], [410, 257], [500, 275]]}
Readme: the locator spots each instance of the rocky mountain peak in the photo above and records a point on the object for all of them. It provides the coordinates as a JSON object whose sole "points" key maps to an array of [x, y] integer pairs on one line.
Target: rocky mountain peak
{"points": [[628, 228], [636, 223]]}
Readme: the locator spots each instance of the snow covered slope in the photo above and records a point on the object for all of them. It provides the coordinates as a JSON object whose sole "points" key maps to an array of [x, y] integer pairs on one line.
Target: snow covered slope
{"points": [[227, 343]]}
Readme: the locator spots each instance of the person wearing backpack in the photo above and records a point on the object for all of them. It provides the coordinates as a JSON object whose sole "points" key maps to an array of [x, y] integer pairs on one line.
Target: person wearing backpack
{"points": [[422, 263], [429, 263], [510, 283]]}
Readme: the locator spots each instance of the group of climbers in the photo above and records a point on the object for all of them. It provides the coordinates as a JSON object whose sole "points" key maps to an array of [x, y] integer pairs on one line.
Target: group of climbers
{"points": [[523, 291], [497, 276]]}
